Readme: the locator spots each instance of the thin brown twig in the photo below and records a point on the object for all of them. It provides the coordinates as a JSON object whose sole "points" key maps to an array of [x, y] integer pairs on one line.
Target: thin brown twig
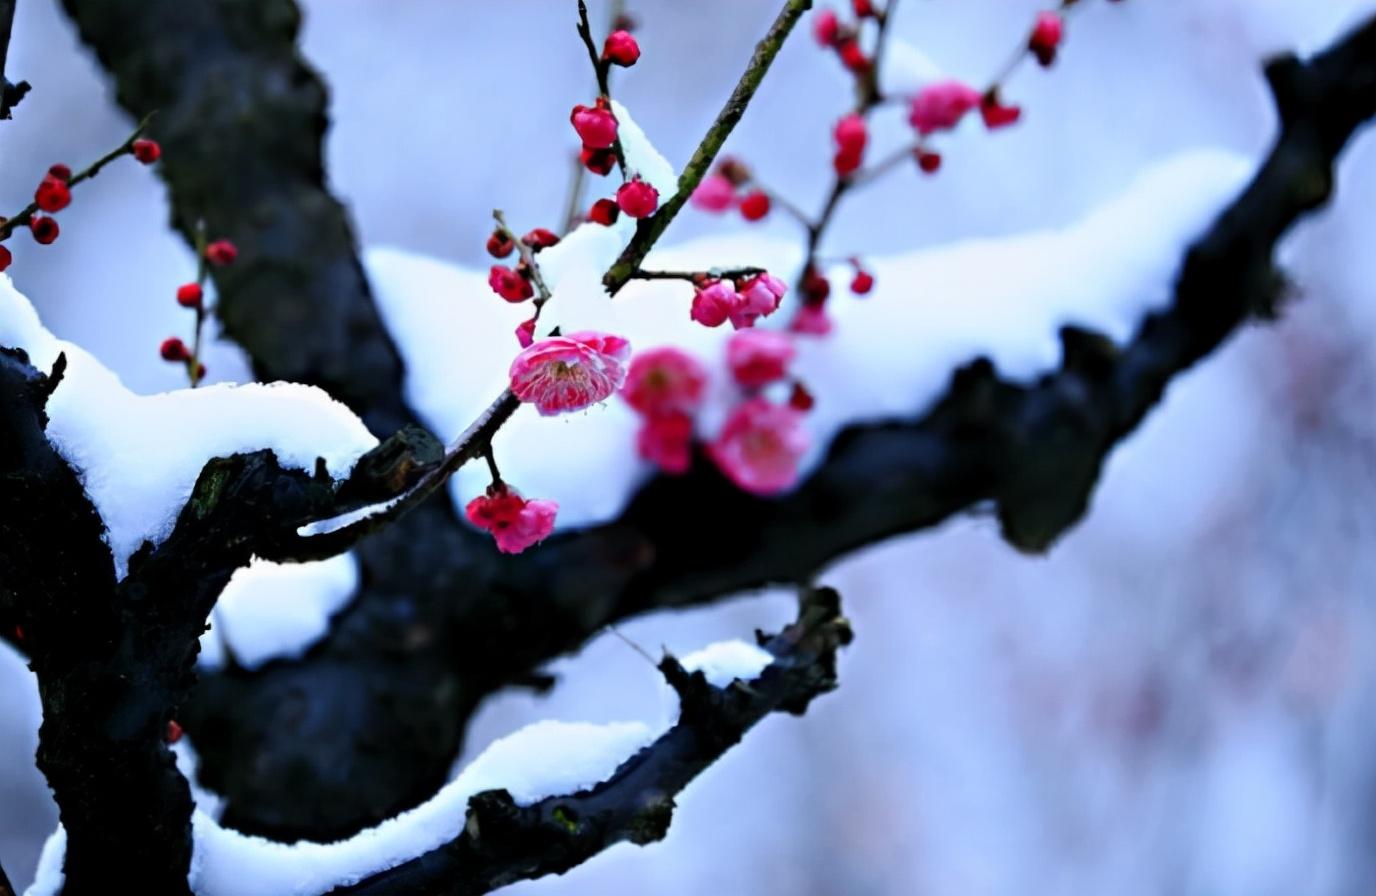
{"points": [[90, 171], [652, 228]]}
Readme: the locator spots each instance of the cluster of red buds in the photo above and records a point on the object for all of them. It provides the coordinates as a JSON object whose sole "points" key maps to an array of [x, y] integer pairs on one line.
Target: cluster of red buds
{"points": [[516, 284], [54, 193], [844, 37], [191, 296], [730, 185]]}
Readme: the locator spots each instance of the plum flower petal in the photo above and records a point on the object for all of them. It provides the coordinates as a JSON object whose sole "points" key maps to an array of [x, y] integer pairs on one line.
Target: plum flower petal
{"points": [[514, 522], [758, 297], [716, 193], [759, 357], [761, 446], [941, 106], [664, 381], [569, 373], [667, 442], [713, 304]]}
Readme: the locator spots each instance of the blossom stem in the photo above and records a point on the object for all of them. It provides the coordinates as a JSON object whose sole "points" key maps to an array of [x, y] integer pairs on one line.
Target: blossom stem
{"points": [[652, 228], [543, 294], [90, 171]]}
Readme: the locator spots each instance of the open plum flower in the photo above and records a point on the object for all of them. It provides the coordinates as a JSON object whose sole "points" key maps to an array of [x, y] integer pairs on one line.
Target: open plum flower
{"points": [[569, 373]]}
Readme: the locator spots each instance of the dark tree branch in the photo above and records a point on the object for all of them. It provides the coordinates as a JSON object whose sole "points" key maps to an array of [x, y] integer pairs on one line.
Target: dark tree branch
{"points": [[503, 843], [10, 93], [369, 722]]}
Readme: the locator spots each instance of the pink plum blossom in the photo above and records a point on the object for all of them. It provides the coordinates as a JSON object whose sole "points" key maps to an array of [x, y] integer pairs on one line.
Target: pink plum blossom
{"points": [[761, 446], [713, 304], [595, 125], [941, 106], [664, 381], [637, 198], [716, 193], [759, 296], [759, 357], [515, 522], [666, 441], [569, 373], [812, 320]]}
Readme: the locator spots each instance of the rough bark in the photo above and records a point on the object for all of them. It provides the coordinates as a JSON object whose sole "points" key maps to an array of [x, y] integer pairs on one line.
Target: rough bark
{"points": [[369, 721]]}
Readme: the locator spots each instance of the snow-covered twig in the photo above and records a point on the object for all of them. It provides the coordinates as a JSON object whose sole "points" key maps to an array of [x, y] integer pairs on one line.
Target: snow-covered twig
{"points": [[504, 842]]}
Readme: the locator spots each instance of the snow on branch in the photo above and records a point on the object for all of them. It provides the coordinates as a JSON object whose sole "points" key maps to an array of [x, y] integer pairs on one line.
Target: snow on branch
{"points": [[504, 840]]}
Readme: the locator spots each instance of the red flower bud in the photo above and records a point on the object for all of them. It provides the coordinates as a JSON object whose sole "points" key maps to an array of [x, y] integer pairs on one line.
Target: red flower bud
{"points": [[928, 161], [60, 171], [5, 257], [621, 49], [863, 282], [755, 205], [221, 253], [174, 731], [189, 295], [499, 245], [598, 161], [825, 27], [1046, 37], [995, 114], [540, 238], [147, 151], [800, 399], [864, 9], [605, 212], [52, 195], [173, 349], [44, 230], [815, 288], [854, 58], [509, 284], [637, 198]]}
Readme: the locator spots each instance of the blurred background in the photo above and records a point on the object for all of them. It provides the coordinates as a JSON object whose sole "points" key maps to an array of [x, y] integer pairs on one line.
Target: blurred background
{"points": [[1177, 698]]}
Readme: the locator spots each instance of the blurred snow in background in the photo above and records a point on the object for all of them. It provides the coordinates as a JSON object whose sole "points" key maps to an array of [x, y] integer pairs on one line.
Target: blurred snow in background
{"points": [[1178, 698]]}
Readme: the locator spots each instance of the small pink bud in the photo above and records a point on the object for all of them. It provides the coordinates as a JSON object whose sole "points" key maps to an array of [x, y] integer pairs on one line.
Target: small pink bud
{"points": [[540, 238], [759, 357], [146, 151], [755, 206], [1046, 37], [716, 193], [525, 333], [499, 245], [941, 106], [221, 253], [598, 161], [621, 48], [996, 115], [604, 212], [596, 126], [862, 283], [637, 198], [825, 27], [509, 284], [713, 304], [189, 295]]}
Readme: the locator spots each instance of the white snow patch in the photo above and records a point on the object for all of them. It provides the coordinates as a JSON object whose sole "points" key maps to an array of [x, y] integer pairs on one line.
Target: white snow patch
{"points": [[892, 352], [271, 610], [720, 663], [49, 878], [726, 661], [138, 456], [543, 759]]}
